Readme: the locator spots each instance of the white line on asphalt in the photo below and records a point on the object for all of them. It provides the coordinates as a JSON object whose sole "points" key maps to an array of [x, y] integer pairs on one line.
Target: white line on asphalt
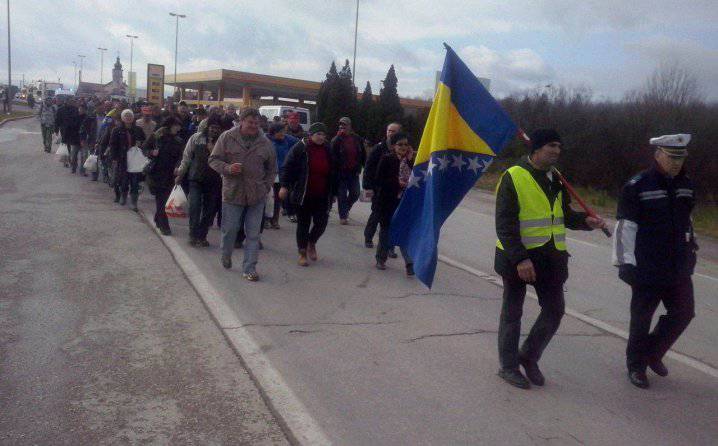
{"points": [[706, 277], [705, 368], [285, 404]]}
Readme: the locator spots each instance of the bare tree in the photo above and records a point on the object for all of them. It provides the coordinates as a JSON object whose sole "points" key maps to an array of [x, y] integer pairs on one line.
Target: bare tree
{"points": [[672, 84]]}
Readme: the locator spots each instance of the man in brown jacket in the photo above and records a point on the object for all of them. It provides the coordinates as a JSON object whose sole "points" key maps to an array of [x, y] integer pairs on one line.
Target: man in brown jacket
{"points": [[248, 164]]}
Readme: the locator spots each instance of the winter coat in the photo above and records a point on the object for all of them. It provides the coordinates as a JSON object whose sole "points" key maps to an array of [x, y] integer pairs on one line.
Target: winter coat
{"points": [[386, 183], [47, 115], [372, 163], [295, 174], [259, 167], [161, 169], [121, 139], [339, 156], [282, 147], [70, 121], [195, 161], [88, 131]]}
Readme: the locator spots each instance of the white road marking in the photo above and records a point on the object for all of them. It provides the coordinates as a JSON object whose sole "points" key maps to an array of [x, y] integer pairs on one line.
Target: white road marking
{"points": [[705, 368], [279, 396], [706, 277]]}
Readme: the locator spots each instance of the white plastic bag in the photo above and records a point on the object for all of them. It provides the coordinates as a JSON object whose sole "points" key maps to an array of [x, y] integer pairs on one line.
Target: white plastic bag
{"points": [[269, 204], [176, 206], [91, 163], [136, 160], [62, 154]]}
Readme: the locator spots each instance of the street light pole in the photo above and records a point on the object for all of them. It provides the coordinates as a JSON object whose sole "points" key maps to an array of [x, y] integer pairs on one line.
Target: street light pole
{"points": [[177, 16], [132, 46], [74, 77], [102, 61], [356, 31], [9, 63]]}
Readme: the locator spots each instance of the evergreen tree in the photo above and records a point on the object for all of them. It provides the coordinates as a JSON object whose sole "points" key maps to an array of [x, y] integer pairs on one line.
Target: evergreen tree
{"points": [[336, 98], [325, 104], [389, 106], [365, 111]]}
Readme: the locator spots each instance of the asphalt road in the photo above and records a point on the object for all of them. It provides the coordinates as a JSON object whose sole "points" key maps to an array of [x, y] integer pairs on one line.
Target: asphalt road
{"points": [[376, 358], [102, 338]]}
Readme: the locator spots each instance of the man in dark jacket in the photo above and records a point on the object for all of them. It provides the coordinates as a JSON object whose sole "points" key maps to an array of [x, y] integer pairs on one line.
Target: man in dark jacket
{"points": [[72, 120], [532, 214], [368, 181], [348, 152], [655, 251], [88, 138], [122, 139]]}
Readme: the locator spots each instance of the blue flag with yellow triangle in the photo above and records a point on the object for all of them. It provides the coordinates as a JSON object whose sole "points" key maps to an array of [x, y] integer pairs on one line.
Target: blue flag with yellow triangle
{"points": [[465, 131]]}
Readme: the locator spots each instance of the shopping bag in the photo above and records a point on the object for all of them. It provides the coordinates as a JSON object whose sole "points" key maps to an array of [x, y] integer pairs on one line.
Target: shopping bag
{"points": [[62, 154], [269, 204], [365, 196], [136, 160], [91, 163], [176, 206]]}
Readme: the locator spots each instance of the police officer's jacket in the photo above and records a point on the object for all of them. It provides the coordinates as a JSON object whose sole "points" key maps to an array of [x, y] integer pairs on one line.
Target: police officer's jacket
{"points": [[654, 243], [551, 264]]}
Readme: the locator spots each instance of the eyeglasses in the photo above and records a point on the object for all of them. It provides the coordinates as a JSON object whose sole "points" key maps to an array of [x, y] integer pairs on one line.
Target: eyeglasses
{"points": [[342, 126], [554, 144]]}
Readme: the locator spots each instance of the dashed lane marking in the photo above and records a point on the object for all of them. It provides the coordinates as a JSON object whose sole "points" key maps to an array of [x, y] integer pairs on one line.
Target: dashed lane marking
{"points": [[680, 357]]}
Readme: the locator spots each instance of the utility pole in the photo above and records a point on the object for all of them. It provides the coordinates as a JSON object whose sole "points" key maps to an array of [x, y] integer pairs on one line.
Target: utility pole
{"points": [[356, 31], [74, 77], [131, 75], [9, 63], [132, 41], [102, 61], [177, 16]]}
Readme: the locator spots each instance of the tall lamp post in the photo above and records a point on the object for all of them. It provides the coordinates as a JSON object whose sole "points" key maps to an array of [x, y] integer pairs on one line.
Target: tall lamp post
{"points": [[102, 62], [74, 78], [132, 46], [177, 17], [356, 30], [82, 64], [9, 64]]}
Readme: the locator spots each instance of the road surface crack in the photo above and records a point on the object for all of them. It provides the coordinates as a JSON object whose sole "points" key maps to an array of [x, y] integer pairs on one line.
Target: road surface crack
{"points": [[466, 296], [311, 324], [446, 335]]}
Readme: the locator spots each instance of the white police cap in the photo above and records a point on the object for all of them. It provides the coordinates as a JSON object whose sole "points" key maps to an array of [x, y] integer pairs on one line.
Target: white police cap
{"points": [[679, 140]]}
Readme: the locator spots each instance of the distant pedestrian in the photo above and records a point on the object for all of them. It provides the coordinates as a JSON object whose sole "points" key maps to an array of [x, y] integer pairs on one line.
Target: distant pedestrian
{"points": [[47, 122], [309, 181], [390, 182], [205, 185], [72, 121], [164, 149], [294, 128], [146, 123], [282, 144], [247, 162], [88, 138], [349, 154], [31, 100], [229, 117], [122, 139], [368, 182]]}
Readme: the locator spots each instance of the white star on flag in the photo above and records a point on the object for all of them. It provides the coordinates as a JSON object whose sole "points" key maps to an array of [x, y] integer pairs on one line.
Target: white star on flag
{"points": [[443, 163], [475, 165], [413, 181], [458, 161], [430, 167]]}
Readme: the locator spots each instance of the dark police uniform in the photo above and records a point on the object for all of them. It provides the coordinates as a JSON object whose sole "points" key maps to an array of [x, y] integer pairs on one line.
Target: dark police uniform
{"points": [[655, 251]]}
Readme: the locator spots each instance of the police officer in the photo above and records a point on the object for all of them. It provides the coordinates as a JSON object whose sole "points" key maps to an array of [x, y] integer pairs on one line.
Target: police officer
{"points": [[532, 214], [655, 251]]}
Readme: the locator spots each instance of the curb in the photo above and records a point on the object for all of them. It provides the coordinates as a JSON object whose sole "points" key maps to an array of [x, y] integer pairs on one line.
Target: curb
{"points": [[294, 419], [17, 118]]}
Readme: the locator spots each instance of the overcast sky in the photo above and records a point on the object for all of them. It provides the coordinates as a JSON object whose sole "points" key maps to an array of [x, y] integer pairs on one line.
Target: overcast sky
{"points": [[610, 46]]}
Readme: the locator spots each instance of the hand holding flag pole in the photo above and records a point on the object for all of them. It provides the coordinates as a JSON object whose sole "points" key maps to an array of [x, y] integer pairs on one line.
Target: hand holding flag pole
{"points": [[569, 188]]}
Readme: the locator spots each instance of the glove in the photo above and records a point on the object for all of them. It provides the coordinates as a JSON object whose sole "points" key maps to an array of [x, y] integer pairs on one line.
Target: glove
{"points": [[627, 273]]}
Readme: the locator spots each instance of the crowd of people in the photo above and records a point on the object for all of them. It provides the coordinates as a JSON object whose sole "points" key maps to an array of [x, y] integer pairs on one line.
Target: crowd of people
{"points": [[238, 169]]}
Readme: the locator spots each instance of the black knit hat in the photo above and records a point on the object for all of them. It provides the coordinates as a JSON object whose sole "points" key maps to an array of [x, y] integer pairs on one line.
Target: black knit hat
{"points": [[541, 137]]}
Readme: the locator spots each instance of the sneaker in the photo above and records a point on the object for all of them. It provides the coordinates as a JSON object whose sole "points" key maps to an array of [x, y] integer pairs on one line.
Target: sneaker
{"points": [[293, 218], [369, 244], [409, 269], [303, 258], [533, 373], [638, 378], [515, 378], [251, 276], [226, 262], [344, 221], [392, 254], [380, 265], [312, 252]]}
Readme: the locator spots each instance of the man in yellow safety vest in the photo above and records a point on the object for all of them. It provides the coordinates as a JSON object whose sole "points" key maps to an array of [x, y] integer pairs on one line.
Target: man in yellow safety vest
{"points": [[532, 214]]}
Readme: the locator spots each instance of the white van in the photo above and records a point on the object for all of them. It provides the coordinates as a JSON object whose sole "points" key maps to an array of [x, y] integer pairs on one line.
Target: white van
{"points": [[270, 111]]}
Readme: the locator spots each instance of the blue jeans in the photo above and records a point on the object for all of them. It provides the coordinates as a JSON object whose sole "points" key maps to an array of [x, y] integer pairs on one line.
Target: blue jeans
{"points": [[231, 216], [347, 193]]}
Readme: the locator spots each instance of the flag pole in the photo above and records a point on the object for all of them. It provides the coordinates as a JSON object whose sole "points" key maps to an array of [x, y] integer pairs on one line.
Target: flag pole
{"points": [[525, 138]]}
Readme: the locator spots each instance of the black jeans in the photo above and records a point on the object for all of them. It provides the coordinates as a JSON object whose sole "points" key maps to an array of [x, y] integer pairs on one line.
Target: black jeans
{"points": [[314, 210], [550, 297], [680, 309], [384, 245], [202, 207], [161, 197], [277, 203], [372, 223]]}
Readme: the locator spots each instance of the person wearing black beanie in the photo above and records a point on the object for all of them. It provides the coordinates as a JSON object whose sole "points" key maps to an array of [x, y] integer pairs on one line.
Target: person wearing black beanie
{"points": [[532, 215]]}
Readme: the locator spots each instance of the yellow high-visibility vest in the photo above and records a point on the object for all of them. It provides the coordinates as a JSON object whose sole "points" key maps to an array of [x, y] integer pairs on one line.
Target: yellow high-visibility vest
{"points": [[539, 220]]}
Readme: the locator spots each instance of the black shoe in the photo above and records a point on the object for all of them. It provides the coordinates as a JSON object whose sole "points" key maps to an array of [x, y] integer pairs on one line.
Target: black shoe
{"points": [[409, 269], [261, 246], [193, 242], [238, 245], [123, 200], [392, 254], [369, 244], [202, 243], [515, 378], [117, 198], [532, 372], [226, 262], [380, 265], [638, 378], [658, 367], [165, 231]]}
